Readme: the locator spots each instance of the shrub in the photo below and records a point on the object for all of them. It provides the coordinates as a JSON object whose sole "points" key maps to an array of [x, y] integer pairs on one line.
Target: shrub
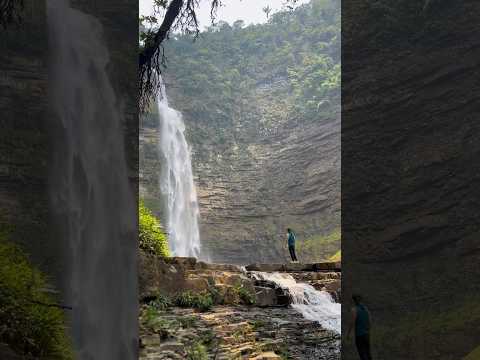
{"points": [[152, 238], [31, 323], [161, 303], [202, 301], [197, 351], [245, 295]]}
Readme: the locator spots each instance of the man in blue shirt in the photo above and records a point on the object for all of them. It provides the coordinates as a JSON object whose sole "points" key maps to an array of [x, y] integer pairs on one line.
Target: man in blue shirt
{"points": [[291, 244], [361, 322]]}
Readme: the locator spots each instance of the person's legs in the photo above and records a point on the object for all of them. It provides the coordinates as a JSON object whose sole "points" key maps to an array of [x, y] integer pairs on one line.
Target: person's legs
{"points": [[367, 347], [292, 252], [363, 347]]}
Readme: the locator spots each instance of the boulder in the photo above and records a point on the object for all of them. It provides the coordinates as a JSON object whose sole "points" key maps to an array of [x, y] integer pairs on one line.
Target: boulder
{"points": [[265, 296], [195, 283], [157, 276]]}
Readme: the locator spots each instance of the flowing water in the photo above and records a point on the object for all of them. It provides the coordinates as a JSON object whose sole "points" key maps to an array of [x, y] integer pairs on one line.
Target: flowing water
{"points": [[176, 181], [91, 195], [312, 304]]}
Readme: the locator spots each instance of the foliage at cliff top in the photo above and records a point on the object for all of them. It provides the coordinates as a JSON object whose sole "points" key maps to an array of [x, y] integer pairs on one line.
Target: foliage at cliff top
{"points": [[266, 73], [31, 322], [152, 237]]}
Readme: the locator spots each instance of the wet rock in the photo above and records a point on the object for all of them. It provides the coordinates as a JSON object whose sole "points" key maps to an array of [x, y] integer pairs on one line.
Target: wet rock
{"points": [[265, 296]]}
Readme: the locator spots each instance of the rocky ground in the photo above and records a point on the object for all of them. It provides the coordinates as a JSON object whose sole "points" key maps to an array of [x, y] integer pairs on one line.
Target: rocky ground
{"points": [[246, 319], [234, 332]]}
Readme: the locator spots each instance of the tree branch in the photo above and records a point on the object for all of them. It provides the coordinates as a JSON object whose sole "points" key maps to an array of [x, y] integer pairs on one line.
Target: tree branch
{"points": [[172, 13]]}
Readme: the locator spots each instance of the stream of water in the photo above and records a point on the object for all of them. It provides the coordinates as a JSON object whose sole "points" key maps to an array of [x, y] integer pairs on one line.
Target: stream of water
{"points": [[312, 304], [91, 195], [176, 181]]}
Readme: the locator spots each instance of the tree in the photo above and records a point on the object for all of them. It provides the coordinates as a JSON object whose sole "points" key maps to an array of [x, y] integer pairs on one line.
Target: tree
{"points": [[180, 15], [267, 10]]}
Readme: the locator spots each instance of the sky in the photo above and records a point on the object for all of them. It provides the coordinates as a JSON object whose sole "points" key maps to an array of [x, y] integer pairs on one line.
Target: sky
{"points": [[249, 11]]}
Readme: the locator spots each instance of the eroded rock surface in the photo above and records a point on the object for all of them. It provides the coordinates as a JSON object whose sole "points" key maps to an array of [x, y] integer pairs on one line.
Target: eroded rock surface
{"points": [[235, 332]]}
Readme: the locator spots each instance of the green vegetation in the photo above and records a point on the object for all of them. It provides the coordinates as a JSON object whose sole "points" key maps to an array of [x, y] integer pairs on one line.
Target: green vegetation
{"points": [[197, 351], [152, 238], [257, 324], [160, 303], [202, 301], [261, 76], [245, 296], [319, 246], [31, 322], [474, 355], [336, 257], [188, 322]]}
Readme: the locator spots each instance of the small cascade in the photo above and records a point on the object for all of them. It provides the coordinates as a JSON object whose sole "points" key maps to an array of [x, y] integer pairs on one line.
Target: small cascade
{"points": [[312, 304], [176, 181]]}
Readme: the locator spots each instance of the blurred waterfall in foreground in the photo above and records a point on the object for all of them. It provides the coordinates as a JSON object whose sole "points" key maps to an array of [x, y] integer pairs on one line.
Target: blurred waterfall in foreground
{"points": [[91, 195], [176, 181], [312, 304]]}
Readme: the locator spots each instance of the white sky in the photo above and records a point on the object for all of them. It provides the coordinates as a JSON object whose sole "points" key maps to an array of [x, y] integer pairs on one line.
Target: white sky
{"points": [[249, 11]]}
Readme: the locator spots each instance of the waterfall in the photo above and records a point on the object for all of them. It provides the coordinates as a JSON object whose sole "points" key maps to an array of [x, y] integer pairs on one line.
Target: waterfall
{"points": [[312, 304], [176, 181], [91, 196]]}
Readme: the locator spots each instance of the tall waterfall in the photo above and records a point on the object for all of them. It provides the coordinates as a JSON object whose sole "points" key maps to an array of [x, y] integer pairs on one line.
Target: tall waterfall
{"points": [[91, 195], [176, 181], [312, 304]]}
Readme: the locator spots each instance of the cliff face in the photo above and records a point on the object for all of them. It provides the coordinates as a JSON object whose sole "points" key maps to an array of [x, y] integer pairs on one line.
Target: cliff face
{"points": [[252, 192], [408, 178], [252, 188], [24, 145]]}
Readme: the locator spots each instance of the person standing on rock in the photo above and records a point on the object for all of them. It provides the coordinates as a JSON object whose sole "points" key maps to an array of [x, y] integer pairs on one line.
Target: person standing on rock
{"points": [[361, 321], [291, 244]]}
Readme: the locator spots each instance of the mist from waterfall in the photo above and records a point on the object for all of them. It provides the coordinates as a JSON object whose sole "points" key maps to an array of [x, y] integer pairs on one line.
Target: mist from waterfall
{"points": [[314, 305], [176, 181], [92, 199]]}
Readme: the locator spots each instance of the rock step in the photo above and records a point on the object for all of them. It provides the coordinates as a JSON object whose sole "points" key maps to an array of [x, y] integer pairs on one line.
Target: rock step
{"points": [[295, 267]]}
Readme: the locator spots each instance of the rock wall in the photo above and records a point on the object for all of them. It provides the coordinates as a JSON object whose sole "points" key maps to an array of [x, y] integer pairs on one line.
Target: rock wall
{"points": [[409, 124], [24, 143], [254, 187]]}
